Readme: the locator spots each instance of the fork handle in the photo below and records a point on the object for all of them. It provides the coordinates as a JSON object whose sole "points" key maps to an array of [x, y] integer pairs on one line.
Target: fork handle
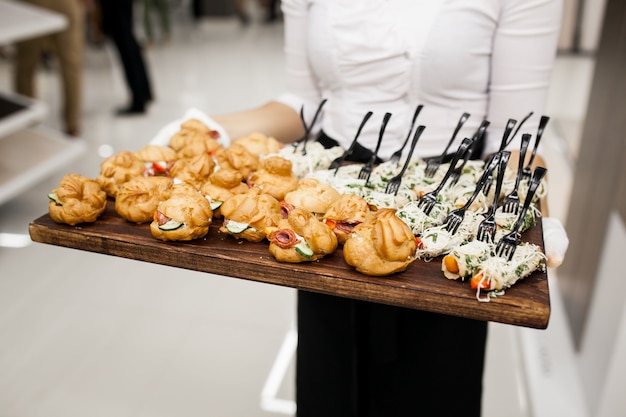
{"points": [[308, 128], [417, 112], [358, 133], [467, 142], [386, 118], [507, 132], [538, 175], [317, 113], [542, 125], [418, 133], [522, 156], [481, 182], [477, 136], [306, 131], [519, 126], [504, 159], [458, 127]]}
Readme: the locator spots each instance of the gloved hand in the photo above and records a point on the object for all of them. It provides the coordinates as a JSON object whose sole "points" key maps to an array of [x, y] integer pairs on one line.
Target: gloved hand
{"points": [[555, 241]]}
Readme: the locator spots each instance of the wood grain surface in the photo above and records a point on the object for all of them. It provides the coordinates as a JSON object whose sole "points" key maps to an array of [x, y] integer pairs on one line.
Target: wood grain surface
{"points": [[422, 286]]}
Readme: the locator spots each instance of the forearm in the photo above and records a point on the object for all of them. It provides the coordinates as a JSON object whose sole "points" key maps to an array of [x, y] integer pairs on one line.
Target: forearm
{"points": [[272, 119], [524, 51]]}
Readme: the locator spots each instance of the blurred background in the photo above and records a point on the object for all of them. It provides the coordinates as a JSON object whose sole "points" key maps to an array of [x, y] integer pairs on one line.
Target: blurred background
{"points": [[84, 334]]}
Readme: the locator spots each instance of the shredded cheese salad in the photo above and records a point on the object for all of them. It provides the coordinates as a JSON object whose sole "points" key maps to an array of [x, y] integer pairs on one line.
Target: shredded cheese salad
{"points": [[488, 274]]}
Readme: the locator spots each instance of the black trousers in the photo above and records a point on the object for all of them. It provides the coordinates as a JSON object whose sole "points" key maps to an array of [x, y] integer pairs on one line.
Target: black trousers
{"points": [[362, 359], [118, 24]]}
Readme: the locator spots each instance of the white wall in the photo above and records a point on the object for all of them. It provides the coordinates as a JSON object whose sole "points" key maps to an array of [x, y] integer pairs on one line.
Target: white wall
{"points": [[602, 357], [613, 401], [592, 16]]}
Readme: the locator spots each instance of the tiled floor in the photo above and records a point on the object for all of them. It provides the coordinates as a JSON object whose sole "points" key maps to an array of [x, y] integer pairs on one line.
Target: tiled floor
{"points": [[83, 334]]}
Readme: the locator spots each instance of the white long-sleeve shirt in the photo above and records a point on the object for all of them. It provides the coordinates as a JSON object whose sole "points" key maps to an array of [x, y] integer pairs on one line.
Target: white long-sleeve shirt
{"points": [[490, 58]]}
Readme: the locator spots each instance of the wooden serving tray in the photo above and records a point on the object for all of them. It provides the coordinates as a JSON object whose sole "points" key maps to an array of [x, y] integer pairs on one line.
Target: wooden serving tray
{"points": [[422, 286]]}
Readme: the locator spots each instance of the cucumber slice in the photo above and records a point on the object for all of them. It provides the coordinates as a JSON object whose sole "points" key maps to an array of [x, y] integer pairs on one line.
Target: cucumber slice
{"points": [[304, 249], [171, 225], [215, 204], [53, 197], [236, 227]]}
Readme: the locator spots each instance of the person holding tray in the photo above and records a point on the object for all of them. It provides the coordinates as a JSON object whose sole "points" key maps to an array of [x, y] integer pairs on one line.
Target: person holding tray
{"points": [[492, 60]]}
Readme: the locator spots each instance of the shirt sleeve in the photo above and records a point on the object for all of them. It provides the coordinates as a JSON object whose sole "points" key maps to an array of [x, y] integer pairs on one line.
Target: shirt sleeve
{"points": [[523, 54], [302, 86]]}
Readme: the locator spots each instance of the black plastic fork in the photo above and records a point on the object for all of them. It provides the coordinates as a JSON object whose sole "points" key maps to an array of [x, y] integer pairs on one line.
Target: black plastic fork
{"points": [[456, 174], [428, 200], [511, 202], [487, 228], [543, 122], [507, 132], [307, 128], [394, 184], [366, 171], [339, 160], [395, 157], [455, 217], [517, 129], [433, 164], [508, 243]]}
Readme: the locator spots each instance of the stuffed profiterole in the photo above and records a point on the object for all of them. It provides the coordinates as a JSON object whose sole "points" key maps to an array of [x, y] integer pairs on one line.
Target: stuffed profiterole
{"points": [[301, 237], [381, 247], [246, 216], [194, 137], [118, 169], [222, 185], [194, 171], [274, 177], [313, 196], [157, 159], [260, 144], [184, 215], [237, 157], [344, 214], [137, 199], [76, 200]]}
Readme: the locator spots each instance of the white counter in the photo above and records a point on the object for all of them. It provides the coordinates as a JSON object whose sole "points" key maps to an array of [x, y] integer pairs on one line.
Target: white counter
{"points": [[20, 21], [28, 153]]}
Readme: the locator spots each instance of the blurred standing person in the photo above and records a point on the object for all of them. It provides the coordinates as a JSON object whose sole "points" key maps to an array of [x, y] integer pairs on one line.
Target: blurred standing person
{"points": [[118, 24], [94, 24], [162, 9], [272, 8], [68, 47], [196, 9], [241, 8]]}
